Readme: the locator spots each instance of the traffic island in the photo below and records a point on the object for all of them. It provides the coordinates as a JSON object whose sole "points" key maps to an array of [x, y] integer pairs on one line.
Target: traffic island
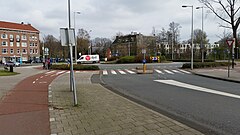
{"points": [[141, 70]]}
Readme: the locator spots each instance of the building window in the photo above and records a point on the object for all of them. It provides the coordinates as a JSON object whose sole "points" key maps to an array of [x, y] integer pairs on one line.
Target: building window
{"points": [[24, 44], [36, 51], [4, 36], [11, 44], [31, 51], [4, 43], [18, 51], [24, 51], [11, 36], [17, 38], [4, 51], [18, 44], [11, 51], [24, 37]]}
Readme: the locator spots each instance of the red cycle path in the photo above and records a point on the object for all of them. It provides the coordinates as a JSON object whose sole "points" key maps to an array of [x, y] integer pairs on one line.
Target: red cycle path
{"points": [[24, 110]]}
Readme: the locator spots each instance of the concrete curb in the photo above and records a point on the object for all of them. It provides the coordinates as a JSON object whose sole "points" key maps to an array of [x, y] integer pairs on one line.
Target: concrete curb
{"points": [[216, 77]]}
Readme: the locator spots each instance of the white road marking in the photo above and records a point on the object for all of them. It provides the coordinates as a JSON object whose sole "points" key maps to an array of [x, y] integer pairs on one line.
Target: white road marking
{"points": [[41, 77], [175, 71], [168, 71], [121, 72], [50, 72], [197, 88], [158, 71], [105, 72], [129, 71], [113, 72], [42, 82], [184, 71], [60, 72]]}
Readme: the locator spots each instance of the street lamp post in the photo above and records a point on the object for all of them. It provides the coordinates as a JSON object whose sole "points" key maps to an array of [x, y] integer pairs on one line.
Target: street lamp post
{"points": [[75, 12], [202, 47], [191, 37], [90, 44]]}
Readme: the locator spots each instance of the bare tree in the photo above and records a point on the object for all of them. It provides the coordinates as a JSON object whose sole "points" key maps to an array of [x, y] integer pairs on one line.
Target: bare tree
{"points": [[227, 11]]}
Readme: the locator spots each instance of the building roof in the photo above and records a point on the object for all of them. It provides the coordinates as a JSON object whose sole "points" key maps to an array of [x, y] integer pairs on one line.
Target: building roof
{"points": [[17, 26]]}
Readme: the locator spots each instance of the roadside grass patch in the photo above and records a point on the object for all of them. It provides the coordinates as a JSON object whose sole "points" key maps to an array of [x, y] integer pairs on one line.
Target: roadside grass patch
{"points": [[7, 73]]}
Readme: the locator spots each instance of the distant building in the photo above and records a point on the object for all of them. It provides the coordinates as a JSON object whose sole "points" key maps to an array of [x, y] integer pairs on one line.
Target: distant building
{"points": [[132, 44], [18, 41]]}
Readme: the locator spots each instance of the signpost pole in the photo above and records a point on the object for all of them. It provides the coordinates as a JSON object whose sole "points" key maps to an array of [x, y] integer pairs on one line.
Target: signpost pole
{"points": [[231, 45], [228, 63]]}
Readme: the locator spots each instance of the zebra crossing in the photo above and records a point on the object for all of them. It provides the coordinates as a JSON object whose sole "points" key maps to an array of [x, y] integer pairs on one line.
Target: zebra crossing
{"points": [[158, 71]]}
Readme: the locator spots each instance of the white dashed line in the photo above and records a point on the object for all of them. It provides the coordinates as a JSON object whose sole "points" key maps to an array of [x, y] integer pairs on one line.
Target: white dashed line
{"points": [[197, 88]]}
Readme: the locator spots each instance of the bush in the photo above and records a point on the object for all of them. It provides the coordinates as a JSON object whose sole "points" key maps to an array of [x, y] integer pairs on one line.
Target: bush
{"points": [[139, 59], [75, 67], [126, 59], [205, 64], [113, 58], [163, 58]]}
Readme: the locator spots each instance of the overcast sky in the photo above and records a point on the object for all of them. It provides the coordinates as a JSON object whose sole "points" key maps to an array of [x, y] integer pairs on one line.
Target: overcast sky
{"points": [[105, 18]]}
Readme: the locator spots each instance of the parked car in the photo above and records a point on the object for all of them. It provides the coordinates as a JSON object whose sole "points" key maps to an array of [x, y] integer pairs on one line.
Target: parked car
{"points": [[9, 63]]}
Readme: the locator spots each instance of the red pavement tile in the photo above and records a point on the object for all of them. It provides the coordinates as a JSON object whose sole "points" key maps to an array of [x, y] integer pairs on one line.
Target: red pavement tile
{"points": [[24, 110], [27, 123]]}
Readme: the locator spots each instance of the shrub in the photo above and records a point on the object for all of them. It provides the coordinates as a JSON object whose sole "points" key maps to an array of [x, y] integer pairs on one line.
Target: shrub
{"points": [[126, 59], [75, 67], [113, 58], [139, 58]]}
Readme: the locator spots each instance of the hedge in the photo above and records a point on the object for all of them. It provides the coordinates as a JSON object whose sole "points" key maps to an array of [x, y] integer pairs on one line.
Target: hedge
{"points": [[205, 64], [188, 60], [75, 67]]}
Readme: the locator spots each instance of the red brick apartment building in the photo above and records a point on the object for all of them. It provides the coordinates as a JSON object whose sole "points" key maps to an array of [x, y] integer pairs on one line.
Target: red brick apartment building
{"points": [[18, 42]]}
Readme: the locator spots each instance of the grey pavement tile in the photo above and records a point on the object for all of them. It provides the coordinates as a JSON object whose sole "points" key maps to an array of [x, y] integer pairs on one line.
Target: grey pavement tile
{"points": [[100, 111]]}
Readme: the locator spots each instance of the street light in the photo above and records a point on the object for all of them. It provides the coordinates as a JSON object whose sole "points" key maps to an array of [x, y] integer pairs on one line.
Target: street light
{"points": [[90, 44], [202, 35], [75, 12], [191, 36]]}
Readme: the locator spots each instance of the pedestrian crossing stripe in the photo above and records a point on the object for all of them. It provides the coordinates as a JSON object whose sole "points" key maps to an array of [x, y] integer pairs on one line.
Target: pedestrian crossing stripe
{"points": [[105, 72], [131, 72], [113, 72], [162, 71], [158, 71], [121, 72], [168, 71], [184, 71], [176, 71]]}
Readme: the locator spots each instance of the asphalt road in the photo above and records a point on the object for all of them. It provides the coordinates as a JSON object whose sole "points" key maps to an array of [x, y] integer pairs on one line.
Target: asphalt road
{"points": [[211, 106]]}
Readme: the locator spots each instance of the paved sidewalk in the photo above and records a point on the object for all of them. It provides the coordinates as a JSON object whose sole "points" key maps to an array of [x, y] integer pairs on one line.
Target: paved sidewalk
{"points": [[101, 111], [220, 73]]}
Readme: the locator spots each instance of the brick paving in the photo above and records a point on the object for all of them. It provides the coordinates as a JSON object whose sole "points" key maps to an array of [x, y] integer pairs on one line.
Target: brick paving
{"points": [[101, 111]]}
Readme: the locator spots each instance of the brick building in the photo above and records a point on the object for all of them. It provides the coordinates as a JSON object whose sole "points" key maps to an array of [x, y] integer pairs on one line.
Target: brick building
{"points": [[18, 42]]}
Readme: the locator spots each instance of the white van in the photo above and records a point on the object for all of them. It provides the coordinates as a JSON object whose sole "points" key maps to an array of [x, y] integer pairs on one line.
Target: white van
{"points": [[88, 59]]}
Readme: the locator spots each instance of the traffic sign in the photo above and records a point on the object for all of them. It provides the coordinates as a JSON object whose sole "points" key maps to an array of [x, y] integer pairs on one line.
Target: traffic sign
{"points": [[230, 42]]}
